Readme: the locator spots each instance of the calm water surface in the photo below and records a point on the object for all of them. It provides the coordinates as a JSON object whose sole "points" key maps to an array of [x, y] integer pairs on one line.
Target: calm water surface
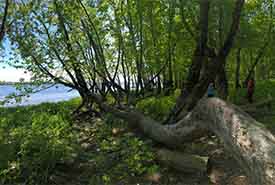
{"points": [[52, 94]]}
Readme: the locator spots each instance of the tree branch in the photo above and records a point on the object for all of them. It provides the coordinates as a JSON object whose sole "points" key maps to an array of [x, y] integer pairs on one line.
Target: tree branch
{"points": [[3, 24]]}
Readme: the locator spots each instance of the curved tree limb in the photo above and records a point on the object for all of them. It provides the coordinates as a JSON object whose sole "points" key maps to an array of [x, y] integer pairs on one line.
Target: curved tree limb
{"points": [[249, 142]]}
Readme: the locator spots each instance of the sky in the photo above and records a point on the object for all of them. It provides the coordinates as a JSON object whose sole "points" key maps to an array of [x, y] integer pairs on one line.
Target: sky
{"points": [[9, 73]]}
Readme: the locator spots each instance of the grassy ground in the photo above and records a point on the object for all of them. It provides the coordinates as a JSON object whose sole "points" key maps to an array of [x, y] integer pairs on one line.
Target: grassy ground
{"points": [[43, 144], [34, 140], [263, 91]]}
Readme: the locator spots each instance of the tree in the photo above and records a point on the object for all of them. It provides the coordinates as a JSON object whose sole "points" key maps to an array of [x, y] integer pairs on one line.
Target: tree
{"points": [[88, 48]]}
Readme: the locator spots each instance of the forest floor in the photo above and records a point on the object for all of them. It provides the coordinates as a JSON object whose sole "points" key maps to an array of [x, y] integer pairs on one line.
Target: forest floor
{"points": [[223, 169], [92, 151]]}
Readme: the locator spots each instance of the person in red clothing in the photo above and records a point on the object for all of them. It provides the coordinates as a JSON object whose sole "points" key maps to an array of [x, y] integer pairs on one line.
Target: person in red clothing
{"points": [[250, 90]]}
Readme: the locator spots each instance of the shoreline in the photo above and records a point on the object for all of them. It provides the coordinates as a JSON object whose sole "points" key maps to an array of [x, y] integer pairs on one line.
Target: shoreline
{"points": [[39, 104]]}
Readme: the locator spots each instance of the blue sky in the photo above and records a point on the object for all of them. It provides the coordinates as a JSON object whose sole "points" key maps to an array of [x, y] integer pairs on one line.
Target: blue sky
{"points": [[9, 73]]}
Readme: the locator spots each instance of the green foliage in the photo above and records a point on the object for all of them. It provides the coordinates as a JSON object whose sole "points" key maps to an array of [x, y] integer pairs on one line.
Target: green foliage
{"points": [[237, 96], [263, 90], [33, 141], [158, 107]]}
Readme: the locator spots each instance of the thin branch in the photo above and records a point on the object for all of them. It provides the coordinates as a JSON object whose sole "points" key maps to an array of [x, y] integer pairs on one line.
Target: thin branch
{"points": [[2, 27]]}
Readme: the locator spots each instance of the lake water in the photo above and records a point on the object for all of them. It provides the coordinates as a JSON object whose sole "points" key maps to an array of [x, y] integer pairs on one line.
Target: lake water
{"points": [[53, 94]]}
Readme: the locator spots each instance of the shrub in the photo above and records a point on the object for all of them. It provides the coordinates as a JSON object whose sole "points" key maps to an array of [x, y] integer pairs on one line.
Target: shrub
{"points": [[157, 107]]}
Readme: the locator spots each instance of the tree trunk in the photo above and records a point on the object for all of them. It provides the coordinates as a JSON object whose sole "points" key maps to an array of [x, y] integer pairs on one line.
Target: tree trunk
{"points": [[249, 142], [222, 84], [159, 84], [195, 87], [259, 56], [170, 47], [140, 66], [197, 62], [238, 67]]}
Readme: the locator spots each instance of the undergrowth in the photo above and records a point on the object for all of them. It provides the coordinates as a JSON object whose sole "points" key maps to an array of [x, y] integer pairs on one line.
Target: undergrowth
{"points": [[118, 154], [35, 139]]}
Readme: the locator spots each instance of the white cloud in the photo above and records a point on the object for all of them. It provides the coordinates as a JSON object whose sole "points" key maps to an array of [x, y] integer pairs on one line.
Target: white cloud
{"points": [[13, 75]]}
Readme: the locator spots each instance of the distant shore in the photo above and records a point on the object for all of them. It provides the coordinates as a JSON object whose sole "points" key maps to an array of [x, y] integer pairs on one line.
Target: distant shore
{"points": [[16, 83], [54, 93]]}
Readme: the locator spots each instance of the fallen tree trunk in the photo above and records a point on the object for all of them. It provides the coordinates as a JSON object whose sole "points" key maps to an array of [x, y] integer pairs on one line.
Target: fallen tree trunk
{"points": [[182, 162], [249, 142]]}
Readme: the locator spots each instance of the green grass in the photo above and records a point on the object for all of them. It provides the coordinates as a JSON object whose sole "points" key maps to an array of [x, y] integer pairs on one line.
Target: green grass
{"points": [[263, 90], [33, 140], [36, 140]]}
